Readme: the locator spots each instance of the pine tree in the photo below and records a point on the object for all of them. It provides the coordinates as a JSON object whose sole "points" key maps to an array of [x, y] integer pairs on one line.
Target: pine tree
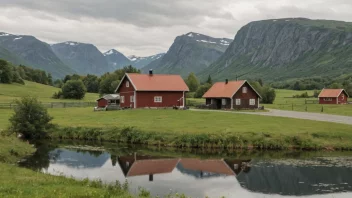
{"points": [[209, 81]]}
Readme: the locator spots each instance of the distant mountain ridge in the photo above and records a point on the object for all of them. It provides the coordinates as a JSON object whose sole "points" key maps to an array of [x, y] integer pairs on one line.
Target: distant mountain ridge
{"points": [[140, 62], [83, 58], [22, 49], [191, 52], [280, 49]]}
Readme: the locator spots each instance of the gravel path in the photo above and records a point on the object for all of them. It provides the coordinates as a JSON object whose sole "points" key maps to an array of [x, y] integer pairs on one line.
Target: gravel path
{"points": [[295, 114]]}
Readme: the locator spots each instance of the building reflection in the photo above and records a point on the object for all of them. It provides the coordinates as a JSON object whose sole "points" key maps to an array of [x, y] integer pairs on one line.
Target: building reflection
{"points": [[138, 165]]}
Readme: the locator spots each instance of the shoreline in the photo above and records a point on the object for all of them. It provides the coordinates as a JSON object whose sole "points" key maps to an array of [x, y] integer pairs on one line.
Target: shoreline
{"points": [[227, 141]]}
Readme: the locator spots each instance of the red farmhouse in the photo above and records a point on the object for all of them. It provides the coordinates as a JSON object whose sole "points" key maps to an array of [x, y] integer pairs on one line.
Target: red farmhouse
{"points": [[151, 90], [333, 96], [232, 95]]}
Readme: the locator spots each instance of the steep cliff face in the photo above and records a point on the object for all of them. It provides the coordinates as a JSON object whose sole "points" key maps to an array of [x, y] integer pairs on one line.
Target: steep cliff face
{"points": [[191, 52], [287, 48], [116, 59]]}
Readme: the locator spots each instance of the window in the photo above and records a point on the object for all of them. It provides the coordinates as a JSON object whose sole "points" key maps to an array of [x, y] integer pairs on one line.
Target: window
{"points": [[122, 99], [343, 96], [223, 101], [131, 98], [244, 89], [127, 84], [327, 99], [158, 99], [252, 102], [238, 101]]}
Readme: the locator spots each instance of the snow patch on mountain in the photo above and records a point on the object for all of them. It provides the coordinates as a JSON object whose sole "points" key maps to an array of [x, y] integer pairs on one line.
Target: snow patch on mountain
{"points": [[71, 43], [17, 38], [4, 34]]}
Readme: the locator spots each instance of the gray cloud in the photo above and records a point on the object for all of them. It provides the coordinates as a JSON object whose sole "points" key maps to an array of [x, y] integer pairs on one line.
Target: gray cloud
{"points": [[145, 27]]}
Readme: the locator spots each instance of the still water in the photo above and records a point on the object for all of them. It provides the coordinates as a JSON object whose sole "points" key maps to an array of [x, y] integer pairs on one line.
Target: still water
{"points": [[199, 173]]}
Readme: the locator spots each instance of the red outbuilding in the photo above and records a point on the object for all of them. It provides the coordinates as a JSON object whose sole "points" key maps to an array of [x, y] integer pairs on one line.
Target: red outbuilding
{"points": [[333, 96], [232, 95], [151, 90]]}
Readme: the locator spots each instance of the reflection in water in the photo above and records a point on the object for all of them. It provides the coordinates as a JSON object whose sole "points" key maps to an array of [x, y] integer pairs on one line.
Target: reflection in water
{"points": [[202, 177]]}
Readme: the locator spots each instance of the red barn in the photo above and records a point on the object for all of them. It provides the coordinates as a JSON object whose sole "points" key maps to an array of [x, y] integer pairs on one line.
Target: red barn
{"points": [[232, 95], [151, 90], [333, 96]]}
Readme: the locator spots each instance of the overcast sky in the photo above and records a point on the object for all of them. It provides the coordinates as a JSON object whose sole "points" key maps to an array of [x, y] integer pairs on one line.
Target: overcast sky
{"points": [[147, 27]]}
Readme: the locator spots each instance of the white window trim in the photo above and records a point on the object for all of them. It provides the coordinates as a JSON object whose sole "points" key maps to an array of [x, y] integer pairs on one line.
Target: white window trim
{"points": [[328, 99], [238, 101], [251, 102], [122, 99], [158, 99], [127, 83], [223, 101], [244, 89], [131, 99]]}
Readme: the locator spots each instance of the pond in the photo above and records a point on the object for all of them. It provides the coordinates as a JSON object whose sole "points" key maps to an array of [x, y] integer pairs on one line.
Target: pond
{"points": [[200, 173]]}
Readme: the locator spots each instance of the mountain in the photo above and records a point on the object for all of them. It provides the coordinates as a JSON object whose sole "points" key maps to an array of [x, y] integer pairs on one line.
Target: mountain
{"points": [[281, 49], [140, 62], [116, 59], [21, 49], [83, 58], [191, 52]]}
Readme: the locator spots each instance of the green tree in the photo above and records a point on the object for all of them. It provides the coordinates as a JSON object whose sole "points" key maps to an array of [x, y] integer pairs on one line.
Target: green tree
{"points": [[5, 72], [108, 84], [209, 80], [348, 89], [202, 90], [268, 95], [73, 89], [58, 83], [50, 79], [192, 82], [92, 83], [30, 118], [336, 86]]}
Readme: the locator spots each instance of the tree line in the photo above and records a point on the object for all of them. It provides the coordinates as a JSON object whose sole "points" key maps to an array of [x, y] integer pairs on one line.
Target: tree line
{"points": [[75, 86], [17, 74], [318, 83]]}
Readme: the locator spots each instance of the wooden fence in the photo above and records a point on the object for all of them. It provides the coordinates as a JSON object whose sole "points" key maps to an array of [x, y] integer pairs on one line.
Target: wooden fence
{"points": [[53, 105]]}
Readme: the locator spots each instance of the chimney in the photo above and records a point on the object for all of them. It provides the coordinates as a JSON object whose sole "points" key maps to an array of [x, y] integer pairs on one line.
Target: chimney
{"points": [[226, 81], [151, 72]]}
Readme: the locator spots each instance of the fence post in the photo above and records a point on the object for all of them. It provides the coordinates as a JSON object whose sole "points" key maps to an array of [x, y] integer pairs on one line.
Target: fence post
{"points": [[306, 108], [52, 106], [322, 108], [292, 106], [64, 104]]}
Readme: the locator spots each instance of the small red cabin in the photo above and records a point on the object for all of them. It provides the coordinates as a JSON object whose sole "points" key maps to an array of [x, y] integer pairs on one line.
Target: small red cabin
{"points": [[110, 99], [232, 95], [151, 90], [333, 96]]}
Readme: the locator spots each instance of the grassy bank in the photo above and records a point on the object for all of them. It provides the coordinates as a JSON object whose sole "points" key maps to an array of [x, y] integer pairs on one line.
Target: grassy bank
{"points": [[10, 92], [21, 182], [196, 129]]}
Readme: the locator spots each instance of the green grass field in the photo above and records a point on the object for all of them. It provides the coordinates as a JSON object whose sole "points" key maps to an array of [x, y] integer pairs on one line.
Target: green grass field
{"points": [[172, 124], [284, 101], [11, 92]]}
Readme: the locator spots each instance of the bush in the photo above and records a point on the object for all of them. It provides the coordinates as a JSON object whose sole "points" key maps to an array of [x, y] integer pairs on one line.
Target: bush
{"points": [[201, 90], [268, 95], [57, 95], [30, 118], [303, 95], [5, 72], [74, 89]]}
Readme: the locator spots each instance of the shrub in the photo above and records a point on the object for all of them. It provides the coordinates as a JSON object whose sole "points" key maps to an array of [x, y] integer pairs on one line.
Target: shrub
{"points": [[57, 95], [73, 89], [201, 90], [5, 72], [268, 95], [31, 118]]}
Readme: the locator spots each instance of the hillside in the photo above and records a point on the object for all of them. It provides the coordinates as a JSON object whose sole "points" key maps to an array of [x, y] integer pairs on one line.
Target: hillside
{"points": [[280, 49], [191, 52], [10, 92], [83, 58], [28, 50]]}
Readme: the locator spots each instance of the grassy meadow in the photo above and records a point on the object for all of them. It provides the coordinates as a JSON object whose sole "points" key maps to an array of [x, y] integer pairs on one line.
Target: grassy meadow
{"points": [[10, 92], [192, 128], [285, 101]]}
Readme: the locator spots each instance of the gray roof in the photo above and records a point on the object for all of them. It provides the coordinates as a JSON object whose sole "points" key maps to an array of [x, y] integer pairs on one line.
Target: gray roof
{"points": [[110, 97]]}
